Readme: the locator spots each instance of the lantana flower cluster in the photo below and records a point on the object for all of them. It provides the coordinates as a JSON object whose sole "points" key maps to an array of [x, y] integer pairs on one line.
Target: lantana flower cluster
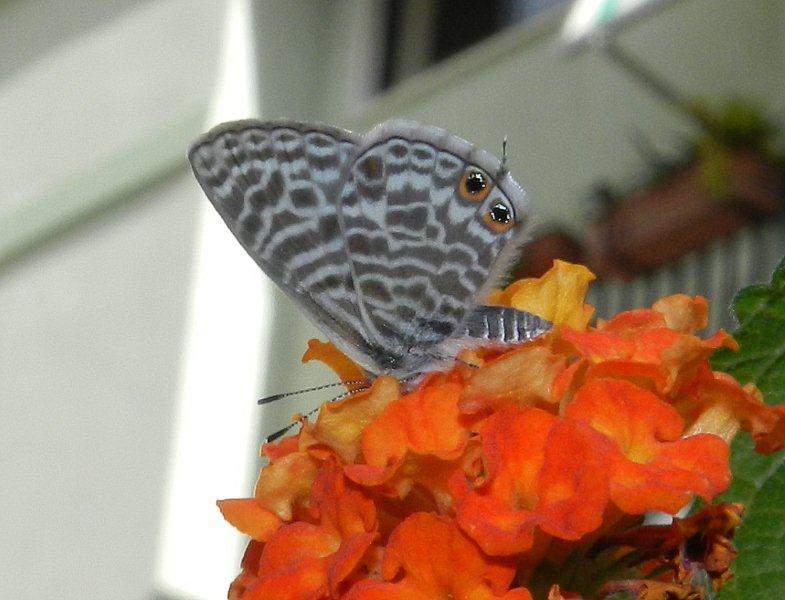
{"points": [[482, 478]]}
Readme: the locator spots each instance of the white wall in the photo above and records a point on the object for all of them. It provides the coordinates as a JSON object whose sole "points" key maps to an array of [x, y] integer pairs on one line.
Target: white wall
{"points": [[99, 92], [89, 362], [93, 322]]}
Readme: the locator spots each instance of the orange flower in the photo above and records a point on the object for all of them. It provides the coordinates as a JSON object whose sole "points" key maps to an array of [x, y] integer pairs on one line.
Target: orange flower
{"points": [[524, 376], [683, 313], [340, 425], [722, 406], [429, 557], [651, 466], [474, 479], [540, 472], [250, 517], [282, 488], [640, 342], [335, 359], [556, 296], [416, 439], [311, 560]]}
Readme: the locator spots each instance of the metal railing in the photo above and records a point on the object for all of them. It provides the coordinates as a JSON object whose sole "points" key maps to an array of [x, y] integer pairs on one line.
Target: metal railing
{"points": [[717, 273]]}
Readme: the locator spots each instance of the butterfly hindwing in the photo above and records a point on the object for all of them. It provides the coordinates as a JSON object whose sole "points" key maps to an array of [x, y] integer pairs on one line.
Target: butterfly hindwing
{"points": [[421, 255]]}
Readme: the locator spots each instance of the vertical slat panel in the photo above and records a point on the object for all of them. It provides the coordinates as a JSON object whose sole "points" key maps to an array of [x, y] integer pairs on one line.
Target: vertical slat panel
{"points": [[717, 273]]}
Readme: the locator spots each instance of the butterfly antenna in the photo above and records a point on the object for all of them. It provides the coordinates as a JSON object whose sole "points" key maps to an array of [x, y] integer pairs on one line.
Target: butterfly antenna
{"points": [[275, 397], [348, 393], [503, 167], [276, 435]]}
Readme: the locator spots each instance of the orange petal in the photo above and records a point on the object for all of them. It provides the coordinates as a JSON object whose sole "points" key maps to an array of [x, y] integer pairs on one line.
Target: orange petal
{"points": [[724, 406], [630, 323], [695, 465], [573, 485], [556, 296], [566, 382], [684, 313], [417, 440], [250, 517], [276, 450], [540, 473], [597, 346], [311, 560], [292, 564], [773, 439], [326, 352], [654, 377], [497, 510], [427, 421], [652, 468], [524, 376], [421, 480], [349, 515], [429, 557], [286, 482], [640, 336], [721, 339], [338, 505], [340, 424], [248, 577], [636, 418]]}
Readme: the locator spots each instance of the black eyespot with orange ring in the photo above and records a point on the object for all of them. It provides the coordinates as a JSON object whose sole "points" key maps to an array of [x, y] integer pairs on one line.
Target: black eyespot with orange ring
{"points": [[474, 186], [499, 217]]}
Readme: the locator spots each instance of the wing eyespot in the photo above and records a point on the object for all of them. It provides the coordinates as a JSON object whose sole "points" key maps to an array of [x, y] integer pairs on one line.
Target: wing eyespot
{"points": [[474, 186], [499, 217]]}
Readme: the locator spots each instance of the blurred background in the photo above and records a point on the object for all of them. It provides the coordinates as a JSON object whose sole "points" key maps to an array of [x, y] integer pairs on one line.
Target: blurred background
{"points": [[136, 335]]}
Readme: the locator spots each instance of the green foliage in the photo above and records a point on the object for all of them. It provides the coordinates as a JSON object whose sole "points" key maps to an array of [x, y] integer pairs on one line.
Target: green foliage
{"points": [[759, 481], [737, 125]]}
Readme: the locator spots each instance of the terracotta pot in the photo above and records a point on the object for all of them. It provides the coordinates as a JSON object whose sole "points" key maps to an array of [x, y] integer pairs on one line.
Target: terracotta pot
{"points": [[538, 255], [658, 225]]}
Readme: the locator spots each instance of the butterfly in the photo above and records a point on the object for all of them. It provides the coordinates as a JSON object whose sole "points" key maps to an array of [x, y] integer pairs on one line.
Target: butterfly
{"points": [[388, 241]]}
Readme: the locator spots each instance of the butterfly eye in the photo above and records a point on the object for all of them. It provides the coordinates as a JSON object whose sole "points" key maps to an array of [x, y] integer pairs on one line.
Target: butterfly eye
{"points": [[474, 186], [499, 217]]}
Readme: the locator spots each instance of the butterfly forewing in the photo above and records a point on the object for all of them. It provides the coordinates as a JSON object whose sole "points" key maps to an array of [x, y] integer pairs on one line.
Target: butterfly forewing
{"points": [[276, 185]]}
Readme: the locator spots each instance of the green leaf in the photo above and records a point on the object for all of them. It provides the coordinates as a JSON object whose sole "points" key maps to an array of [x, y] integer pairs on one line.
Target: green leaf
{"points": [[758, 481]]}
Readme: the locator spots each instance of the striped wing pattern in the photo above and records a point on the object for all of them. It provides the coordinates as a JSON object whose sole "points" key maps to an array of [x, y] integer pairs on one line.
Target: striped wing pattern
{"points": [[367, 234], [275, 185], [420, 253]]}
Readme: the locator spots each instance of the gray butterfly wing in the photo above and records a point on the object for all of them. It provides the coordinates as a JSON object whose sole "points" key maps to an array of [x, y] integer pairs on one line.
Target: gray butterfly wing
{"points": [[276, 184], [421, 254]]}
